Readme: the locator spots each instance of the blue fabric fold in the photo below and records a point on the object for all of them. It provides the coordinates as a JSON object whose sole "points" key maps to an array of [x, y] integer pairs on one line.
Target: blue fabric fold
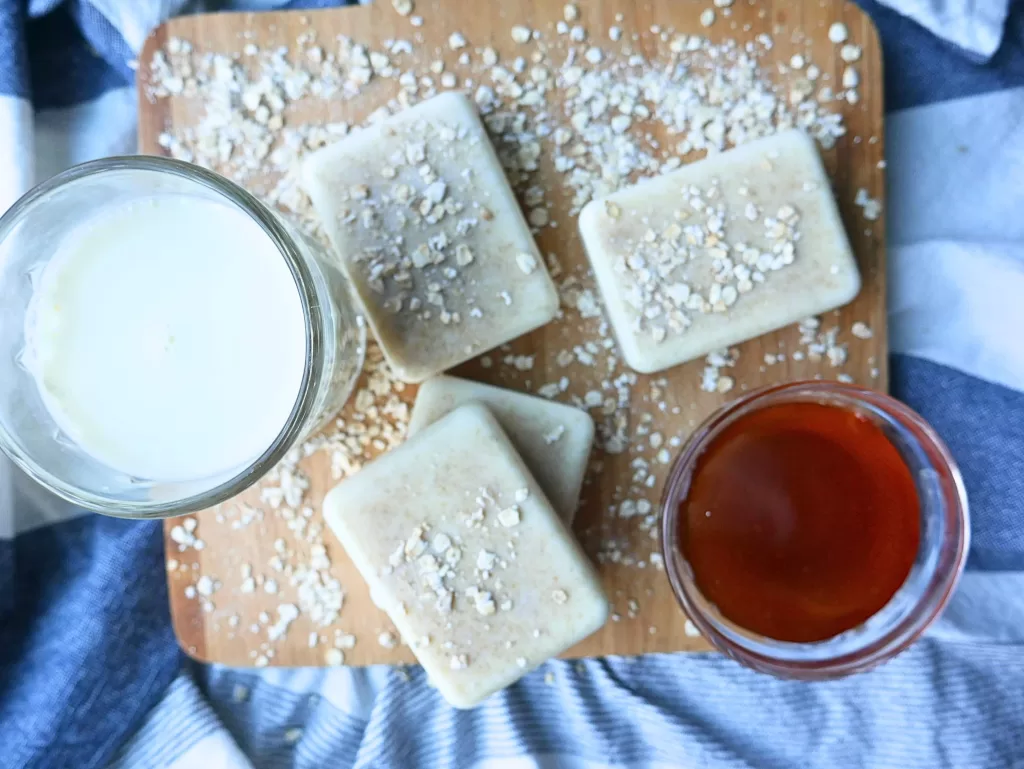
{"points": [[69, 68], [983, 425], [86, 646], [14, 80], [922, 69]]}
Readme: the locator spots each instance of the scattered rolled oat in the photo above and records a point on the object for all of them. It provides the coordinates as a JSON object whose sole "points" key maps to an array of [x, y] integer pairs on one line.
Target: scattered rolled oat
{"points": [[861, 330], [871, 207], [820, 345], [521, 34], [344, 641], [712, 379], [838, 33]]}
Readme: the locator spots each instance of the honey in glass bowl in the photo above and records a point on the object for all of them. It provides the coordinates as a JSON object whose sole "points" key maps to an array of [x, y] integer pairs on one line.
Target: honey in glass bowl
{"points": [[814, 529]]}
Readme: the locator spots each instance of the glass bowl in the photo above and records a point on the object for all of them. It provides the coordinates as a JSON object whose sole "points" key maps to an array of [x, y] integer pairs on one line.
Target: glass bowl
{"points": [[30, 231], [945, 536]]}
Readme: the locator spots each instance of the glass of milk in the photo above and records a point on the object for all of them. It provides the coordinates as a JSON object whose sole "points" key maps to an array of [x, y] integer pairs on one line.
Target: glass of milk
{"points": [[165, 338]]}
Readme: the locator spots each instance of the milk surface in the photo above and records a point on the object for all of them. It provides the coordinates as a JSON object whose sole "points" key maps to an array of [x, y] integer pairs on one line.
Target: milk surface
{"points": [[166, 337]]}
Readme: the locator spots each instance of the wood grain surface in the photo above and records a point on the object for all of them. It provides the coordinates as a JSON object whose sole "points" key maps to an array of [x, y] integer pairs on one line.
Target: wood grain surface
{"points": [[796, 26]]}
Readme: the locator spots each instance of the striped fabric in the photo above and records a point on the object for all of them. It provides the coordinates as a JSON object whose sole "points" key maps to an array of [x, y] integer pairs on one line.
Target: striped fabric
{"points": [[90, 675], [942, 704], [178, 722]]}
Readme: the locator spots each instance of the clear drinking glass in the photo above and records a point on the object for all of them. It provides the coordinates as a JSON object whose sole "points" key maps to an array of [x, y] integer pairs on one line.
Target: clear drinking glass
{"points": [[29, 234], [942, 553]]}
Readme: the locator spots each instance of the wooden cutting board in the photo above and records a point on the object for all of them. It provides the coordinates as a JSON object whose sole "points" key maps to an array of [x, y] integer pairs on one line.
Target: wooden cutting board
{"points": [[648, 619]]}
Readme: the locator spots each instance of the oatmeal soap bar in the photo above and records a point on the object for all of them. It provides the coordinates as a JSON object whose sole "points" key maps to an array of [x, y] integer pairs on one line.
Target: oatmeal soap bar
{"points": [[463, 551], [553, 439], [719, 251], [431, 235]]}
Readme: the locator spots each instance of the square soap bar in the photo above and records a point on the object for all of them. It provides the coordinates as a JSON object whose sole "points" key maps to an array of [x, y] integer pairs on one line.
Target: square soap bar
{"points": [[719, 251], [462, 550], [553, 439], [431, 236]]}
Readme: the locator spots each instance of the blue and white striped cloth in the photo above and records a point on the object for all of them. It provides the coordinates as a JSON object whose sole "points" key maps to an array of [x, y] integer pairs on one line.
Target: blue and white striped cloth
{"points": [[90, 675]]}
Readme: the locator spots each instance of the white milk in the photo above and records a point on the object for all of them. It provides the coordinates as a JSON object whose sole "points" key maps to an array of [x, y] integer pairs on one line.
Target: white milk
{"points": [[167, 338]]}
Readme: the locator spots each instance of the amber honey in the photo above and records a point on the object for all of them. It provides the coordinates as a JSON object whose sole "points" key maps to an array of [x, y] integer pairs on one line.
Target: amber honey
{"points": [[802, 520]]}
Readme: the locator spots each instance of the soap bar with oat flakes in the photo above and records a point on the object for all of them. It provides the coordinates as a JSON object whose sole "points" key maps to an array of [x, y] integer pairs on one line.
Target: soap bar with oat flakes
{"points": [[553, 439], [431, 236], [719, 251], [466, 555]]}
